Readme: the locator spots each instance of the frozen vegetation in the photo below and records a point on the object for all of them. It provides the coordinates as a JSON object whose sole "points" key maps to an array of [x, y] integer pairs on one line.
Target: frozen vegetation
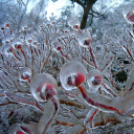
{"points": [[57, 78]]}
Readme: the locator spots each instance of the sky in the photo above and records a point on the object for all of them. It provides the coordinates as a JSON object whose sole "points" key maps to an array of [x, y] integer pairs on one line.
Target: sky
{"points": [[56, 7], [59, 5]]}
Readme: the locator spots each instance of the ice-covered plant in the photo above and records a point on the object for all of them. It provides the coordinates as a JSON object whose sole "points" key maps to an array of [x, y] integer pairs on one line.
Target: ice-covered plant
{"points": [[38, 62]]}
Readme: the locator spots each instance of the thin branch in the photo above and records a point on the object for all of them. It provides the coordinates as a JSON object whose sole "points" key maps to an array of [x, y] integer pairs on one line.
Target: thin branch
{"points": [[91, 21], [79, 2], [98, 14]]}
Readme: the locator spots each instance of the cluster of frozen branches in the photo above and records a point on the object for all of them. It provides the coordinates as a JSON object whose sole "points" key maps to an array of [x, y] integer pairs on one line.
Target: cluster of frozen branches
{"points": [[75, 83]]}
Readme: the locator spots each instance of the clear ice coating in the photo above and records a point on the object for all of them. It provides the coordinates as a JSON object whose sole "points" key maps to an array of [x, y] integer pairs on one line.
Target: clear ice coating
{"points": [[15, 129], [20, 129], [84, 37], [69, 74], [73, 22], [25, 74], [40, 83], [128, 13], [94, 79], [8, 49]]}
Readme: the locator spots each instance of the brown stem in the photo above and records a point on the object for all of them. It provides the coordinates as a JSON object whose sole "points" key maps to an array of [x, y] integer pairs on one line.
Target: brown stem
{"points": [[107, 63], [129, 52], [91, 118], [64, 55], [109, 90], [45, 62], [92, 55], [18, 99], [64, 123], [87, 60], [22, 51], [71, 103]]}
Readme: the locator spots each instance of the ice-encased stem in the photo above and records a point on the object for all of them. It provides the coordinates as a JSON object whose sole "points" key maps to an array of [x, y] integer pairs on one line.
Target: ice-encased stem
{"points": [[51, 110], [21, 100], [96, 103], [116, 104]]}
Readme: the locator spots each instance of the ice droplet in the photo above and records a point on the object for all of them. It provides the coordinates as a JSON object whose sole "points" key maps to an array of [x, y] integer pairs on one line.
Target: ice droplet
{"points": [[94, 79], [25, 74], [84, 37], [72, 74], [40, 83], [128, 13]]}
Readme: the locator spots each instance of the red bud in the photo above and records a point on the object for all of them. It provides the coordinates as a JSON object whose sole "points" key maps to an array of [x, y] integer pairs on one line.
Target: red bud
{"points": [[80, 78]]}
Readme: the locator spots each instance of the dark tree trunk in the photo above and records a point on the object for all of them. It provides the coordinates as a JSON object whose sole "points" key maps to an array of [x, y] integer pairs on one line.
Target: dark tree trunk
{"points": [[86, 12]]}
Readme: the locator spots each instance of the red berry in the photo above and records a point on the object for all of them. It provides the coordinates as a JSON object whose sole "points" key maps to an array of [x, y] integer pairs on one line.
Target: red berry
{"points": [[18, 46], [7, 25], [130, 16], [76, 26], [20, 132], [70, 81], [76, 79], [48, 86], [80, 78], [2, 28], [97, 80], [87, 42], [46, 90], [10, 49], [50, 92], [7, 41], [25, 76], [59, 48]]}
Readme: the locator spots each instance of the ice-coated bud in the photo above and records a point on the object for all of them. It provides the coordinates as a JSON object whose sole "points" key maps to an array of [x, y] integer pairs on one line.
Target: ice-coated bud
{"points": [[72, 74], [18, 45], [8, 49], [94, 79], [75, 79], [87, 42], [128, 13], [97, 80], [25, 74], [84, 38], [2, 28], [7, 25], [43, 87], [46, 91]]}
